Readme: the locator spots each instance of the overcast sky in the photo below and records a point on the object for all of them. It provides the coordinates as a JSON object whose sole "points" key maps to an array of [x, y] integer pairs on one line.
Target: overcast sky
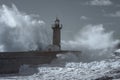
{"points": [[74, 14]]}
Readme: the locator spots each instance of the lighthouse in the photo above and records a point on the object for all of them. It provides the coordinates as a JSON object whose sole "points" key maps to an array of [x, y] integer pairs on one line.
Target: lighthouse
{"points": [[57, 33]]}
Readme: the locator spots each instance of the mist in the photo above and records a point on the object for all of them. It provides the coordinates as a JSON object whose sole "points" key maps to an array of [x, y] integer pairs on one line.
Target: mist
{"points": [[20, 31]]}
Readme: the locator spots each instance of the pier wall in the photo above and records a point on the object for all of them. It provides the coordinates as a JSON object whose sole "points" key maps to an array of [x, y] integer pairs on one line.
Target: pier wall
{"points": [[10, 62]]}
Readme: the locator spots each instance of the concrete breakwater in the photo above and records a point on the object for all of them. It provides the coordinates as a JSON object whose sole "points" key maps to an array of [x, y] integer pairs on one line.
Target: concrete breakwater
{"points": [[10, 62]]}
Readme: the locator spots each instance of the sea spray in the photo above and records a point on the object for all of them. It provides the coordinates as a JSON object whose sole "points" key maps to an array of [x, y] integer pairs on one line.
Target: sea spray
{"points": [[94, 42], [20, 31]]}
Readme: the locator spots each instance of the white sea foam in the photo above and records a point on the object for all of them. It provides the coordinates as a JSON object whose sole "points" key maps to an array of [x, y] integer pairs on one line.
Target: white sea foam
{"points": [[72, 71]]}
